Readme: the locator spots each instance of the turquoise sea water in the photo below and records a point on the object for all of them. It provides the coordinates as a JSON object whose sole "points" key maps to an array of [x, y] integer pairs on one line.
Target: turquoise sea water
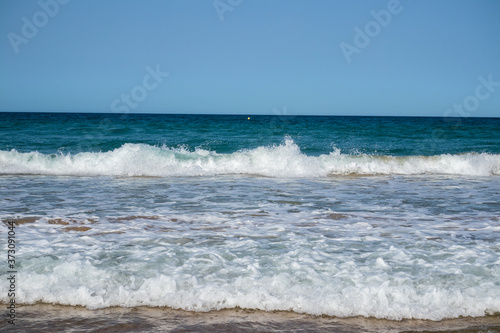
{"points": [[385, 217], [395, 136]]}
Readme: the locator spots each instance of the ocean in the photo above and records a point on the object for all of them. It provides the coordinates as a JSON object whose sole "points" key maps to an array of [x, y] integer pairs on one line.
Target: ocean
{"points": [[388, 219]]}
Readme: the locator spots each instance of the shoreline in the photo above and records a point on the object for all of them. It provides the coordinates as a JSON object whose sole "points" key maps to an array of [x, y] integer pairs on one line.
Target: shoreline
{"points": [[44, 317]]}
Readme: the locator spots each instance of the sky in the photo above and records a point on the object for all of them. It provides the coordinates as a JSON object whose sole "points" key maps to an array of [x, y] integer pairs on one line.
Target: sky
{"points": [[296, 57]]}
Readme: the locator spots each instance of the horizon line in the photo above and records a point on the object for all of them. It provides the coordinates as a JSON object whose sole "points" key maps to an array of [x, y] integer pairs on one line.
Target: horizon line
{"points": [[244, 114]]}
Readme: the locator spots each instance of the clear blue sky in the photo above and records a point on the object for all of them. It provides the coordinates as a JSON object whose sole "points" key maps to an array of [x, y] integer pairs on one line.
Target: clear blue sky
{"points": [[251, 56]]}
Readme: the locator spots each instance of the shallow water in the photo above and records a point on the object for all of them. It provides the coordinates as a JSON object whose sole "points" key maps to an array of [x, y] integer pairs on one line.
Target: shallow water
{"points": [[74, 319], [389, 247]]}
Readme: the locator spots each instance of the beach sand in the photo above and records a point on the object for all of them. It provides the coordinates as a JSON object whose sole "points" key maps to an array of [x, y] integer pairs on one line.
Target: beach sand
{"points": [[57, 318]]}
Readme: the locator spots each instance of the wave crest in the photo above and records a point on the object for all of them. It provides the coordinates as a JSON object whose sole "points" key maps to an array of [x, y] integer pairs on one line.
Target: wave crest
{"points": [[281, 161]]}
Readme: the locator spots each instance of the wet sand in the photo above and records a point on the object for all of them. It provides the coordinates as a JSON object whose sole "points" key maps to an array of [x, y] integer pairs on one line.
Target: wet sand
{"points": [[56, 318]]}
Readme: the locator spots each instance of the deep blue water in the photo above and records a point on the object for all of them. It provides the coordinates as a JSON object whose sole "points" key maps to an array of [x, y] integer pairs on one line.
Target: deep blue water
{"points": [[395, 136]]}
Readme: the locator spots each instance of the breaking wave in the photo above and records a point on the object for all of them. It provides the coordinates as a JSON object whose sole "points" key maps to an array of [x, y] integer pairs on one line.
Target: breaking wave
{"points": [[281, 161]]}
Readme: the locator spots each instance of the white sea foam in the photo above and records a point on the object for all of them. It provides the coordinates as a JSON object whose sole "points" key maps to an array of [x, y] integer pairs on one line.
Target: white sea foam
{"points": [[285, 160], [386, 247], [296, 276]]}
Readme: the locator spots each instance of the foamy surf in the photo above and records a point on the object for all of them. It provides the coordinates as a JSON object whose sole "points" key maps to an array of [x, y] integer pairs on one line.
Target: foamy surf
{"points": [[306, 290], [342, 266], [280, 161]]}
